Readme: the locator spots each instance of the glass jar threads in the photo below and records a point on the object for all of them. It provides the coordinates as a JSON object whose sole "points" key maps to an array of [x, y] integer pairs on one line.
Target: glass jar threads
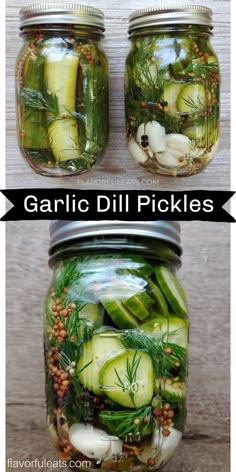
{"points": [[172, 90], [62, 88], [116, 341]]}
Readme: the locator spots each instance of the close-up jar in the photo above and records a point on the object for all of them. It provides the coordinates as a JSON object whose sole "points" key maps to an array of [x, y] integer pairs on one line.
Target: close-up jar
{"points": [[116, 344], [172, 90], [62, 88]]}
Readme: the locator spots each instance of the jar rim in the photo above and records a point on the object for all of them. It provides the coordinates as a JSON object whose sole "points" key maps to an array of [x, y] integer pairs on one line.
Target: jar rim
{"points": [[170, 15], [61, 13], [62, 231]]}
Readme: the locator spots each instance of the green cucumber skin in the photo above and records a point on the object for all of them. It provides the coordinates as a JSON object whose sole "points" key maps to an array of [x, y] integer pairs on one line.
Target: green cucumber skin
{"points": [[119, 314], [160, 299], [179, 304], [33, 134], [139, 305]]}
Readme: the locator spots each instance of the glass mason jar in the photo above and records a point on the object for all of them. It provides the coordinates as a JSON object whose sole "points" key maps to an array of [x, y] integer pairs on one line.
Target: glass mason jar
{"points": [[116, 340], [172, 90], [62, 88]]}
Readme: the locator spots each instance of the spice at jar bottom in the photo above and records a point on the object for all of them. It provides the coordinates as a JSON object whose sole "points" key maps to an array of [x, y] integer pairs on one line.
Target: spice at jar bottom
{"points": [[62, 89], [172, 90], [116, 341]]}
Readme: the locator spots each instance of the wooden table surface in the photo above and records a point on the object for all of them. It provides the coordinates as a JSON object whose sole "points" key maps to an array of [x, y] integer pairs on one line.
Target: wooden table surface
{"points": [[205, 272]]}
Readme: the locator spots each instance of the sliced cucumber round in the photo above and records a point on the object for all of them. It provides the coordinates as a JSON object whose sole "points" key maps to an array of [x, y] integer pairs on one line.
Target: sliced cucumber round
{"points": [[172, 289], [172, 329], [93, 313], [128, 379], [191, 99], [95, 354], [171, 93], [173, 392], [195, 132]]}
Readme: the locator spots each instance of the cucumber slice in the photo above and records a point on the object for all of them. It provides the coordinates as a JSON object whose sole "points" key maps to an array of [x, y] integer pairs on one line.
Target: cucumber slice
{"points": [[94, 313], [173, 392], [173, 329], [119, 314], [139, 304], [171, 93], [33, 121], [128, 379], [159, 297], [98, 350], [195, 132], [172, 289], [191, 99], [61, 69]]}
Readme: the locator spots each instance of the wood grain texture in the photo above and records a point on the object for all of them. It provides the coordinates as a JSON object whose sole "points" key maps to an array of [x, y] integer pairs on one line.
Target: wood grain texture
{"points": [[117, 167], [205, 275]]}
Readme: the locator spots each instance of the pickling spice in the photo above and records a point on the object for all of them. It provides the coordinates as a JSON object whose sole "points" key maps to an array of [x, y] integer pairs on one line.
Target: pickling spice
{"points": [[62, 88], [172, 90], [116, 343]]}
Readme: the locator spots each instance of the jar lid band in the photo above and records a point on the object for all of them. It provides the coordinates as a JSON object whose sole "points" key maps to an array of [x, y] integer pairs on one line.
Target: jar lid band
{"points": [[171, 15], [59, 13], [64, 231]]}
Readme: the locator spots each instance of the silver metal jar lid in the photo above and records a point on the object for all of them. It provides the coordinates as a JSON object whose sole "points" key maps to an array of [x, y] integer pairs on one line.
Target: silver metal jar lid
{"points": [[170, 15], [61, 13], [64, 231]]}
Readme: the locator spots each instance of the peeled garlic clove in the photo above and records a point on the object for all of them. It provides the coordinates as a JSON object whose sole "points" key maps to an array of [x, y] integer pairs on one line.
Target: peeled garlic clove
{"points": [[91, 442], [137, 152], [171, 158], [116, 447], [161, 448], [180, 142], [156, 136]]}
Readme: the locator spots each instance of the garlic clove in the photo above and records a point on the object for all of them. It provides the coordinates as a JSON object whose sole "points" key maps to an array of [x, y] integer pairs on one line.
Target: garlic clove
{"points": [[180, 142], [156, 136], [171, 158], [161, 448], [137, 152], [116, 447], [91, 442]]}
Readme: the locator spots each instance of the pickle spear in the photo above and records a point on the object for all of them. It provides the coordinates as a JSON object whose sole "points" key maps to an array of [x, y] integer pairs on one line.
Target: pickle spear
{"points": [[33, 134], [61, 69]]}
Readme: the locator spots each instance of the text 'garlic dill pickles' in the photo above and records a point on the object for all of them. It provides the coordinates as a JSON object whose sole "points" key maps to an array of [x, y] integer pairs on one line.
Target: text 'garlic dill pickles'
{"points": [[62, 88], [116, 343], [172, 90]]}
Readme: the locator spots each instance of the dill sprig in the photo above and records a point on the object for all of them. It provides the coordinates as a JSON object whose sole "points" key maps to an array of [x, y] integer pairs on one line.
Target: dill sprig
{"points": [[139, 422], [131, 376], [36, 100], [164, 355], [202, 70], [195, 106]]}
